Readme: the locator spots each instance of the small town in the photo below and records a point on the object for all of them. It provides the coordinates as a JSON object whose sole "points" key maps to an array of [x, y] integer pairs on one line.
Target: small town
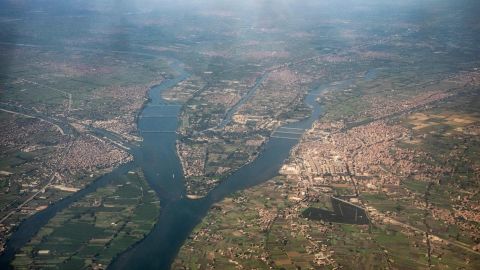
{"points": [[253, 134]]}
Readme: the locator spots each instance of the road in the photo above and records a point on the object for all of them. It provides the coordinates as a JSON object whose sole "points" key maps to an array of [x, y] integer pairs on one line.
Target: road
{"points": [[41, 190], [378, 215], [18, 208], [32, 116], [68, 95]]}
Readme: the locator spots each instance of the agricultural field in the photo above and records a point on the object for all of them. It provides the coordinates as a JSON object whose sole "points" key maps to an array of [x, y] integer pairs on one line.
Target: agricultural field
{"points": [[80, 84], [427, 220], [95, 229], [52, 98], [384, 175], [265, 227]]}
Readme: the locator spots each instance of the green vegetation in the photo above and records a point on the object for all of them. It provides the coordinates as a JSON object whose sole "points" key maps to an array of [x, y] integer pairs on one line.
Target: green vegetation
{"points": [[96, 228], [82, 63], [261, 228], [44, 79]]}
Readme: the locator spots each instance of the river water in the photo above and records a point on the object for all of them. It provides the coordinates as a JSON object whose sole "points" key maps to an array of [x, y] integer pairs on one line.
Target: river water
{"points": [[179, 215], [245, 98], [158, 158]]}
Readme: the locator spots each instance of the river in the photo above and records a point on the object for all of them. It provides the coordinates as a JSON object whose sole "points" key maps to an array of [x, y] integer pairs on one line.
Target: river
{"points": [[158, 158], [243, 99], [179, 215]]}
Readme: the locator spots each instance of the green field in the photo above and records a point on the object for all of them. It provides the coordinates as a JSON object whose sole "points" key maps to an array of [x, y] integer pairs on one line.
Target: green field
{"points": [[95, 229]]}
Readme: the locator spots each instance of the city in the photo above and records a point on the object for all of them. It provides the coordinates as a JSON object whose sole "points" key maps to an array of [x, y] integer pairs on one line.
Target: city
{"points": [[186, 134]]}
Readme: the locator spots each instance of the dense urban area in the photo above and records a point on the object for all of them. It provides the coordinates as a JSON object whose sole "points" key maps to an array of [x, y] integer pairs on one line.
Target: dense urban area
{"points": [[376, 106]]}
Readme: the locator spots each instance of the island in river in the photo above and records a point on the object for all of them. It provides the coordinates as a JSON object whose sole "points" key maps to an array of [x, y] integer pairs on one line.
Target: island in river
{"points": [[260, 134]]}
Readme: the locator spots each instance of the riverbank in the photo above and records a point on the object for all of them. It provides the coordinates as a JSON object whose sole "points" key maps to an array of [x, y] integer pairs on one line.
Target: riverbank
{"points": [[179, 216], [94, 229]]}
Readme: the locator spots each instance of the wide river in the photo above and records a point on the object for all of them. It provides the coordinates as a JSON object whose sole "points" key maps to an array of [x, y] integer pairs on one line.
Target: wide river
{"points": [[158, 158]]}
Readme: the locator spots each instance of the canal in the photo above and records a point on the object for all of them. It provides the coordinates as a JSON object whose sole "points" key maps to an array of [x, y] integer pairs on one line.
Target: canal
{"points": [[157, 156]]}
